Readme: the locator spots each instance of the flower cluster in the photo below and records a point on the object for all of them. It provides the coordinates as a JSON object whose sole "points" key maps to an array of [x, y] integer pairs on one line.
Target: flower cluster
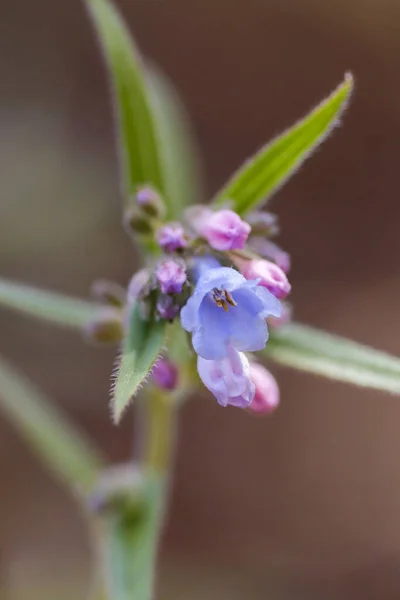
{"points": [[225, 280]]}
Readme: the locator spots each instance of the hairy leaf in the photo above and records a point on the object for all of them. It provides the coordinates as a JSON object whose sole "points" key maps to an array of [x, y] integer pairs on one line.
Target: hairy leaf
{"points": [[269, 169], [331, 356], [143, 343]]}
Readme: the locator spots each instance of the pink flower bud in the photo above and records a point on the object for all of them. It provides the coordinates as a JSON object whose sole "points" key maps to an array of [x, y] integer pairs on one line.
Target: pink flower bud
{"points": [[270, 250], [165, 374], [171, 276], [171, 237], [270, 276], [223, 229], [266, 398]]}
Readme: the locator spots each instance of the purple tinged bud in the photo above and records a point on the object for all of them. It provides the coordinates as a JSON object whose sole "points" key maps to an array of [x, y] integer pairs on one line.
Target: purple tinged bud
{"points": [[167, 308], [223, 229], [266, 397], [150, 202], [270, 250], [269, 275], [108, 292], [165, 374], [263, 223], [106, 327], [135, 221], [228, 378], [171, 276], [171, 237], [137, 284]]}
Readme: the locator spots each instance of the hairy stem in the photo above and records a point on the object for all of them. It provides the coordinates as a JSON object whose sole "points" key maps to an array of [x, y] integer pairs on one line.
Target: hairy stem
{"points": [[130, 528]]}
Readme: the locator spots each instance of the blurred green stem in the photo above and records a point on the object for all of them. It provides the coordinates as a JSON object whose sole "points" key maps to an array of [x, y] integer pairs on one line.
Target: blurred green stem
{"points": [[131, 530], [159, 439]]}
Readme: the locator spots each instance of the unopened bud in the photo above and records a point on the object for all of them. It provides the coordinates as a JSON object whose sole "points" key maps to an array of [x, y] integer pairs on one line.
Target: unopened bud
{"points": [[136, 285], [106, 328], [171, 275], [224, 229], [266, 397], [171, 237], [269, 275], [270, 250], [118, 488], [165, 374], [150, 201], [137, 222], [263, 223], [167, 308], [108, 292]]}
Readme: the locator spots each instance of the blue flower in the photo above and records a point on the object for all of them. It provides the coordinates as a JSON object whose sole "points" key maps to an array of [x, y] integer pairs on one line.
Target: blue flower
{"points": [[227, 310], [228, 378]]}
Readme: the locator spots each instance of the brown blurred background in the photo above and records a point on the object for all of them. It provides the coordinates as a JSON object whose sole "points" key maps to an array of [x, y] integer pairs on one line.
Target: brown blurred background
{"points": [[305, 504]]}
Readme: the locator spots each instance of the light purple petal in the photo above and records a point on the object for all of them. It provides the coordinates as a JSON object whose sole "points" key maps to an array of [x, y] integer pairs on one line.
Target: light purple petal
{"points": [[272, 306]]}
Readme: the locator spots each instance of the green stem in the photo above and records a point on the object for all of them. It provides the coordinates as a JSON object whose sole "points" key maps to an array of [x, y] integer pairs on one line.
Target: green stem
{"points": [[158, 444], [130, 531]]}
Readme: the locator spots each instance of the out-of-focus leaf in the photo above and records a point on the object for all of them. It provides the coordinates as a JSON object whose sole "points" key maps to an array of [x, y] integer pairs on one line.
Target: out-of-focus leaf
{"points": [[129, 540], [136, 129], [308, 349], [141, 117], [143, 343], [269, 169], [48, 306], [178, 151], [64, 449]]}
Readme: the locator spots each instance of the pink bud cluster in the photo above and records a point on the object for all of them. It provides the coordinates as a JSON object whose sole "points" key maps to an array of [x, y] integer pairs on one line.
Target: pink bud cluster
{"points": [[214, 262]]}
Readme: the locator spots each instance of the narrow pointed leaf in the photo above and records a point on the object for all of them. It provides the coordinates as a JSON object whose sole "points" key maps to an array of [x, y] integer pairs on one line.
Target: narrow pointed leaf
{"points": [[143, 343], [177, 148], [153, 140], [314, 351], [48, 306], [136, 129], [270, 168], [64, 449]]}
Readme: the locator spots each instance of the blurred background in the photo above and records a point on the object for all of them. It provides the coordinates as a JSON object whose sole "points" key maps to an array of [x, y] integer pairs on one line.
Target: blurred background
{"points": [[304, 504]]}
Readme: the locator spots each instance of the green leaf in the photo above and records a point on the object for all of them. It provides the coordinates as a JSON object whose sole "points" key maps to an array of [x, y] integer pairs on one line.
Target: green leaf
{"points": [[60, 445], [130, 539], [272, 166], [177, 148], [56, 308], [143, 343], [138, 139], [314, 351]]}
